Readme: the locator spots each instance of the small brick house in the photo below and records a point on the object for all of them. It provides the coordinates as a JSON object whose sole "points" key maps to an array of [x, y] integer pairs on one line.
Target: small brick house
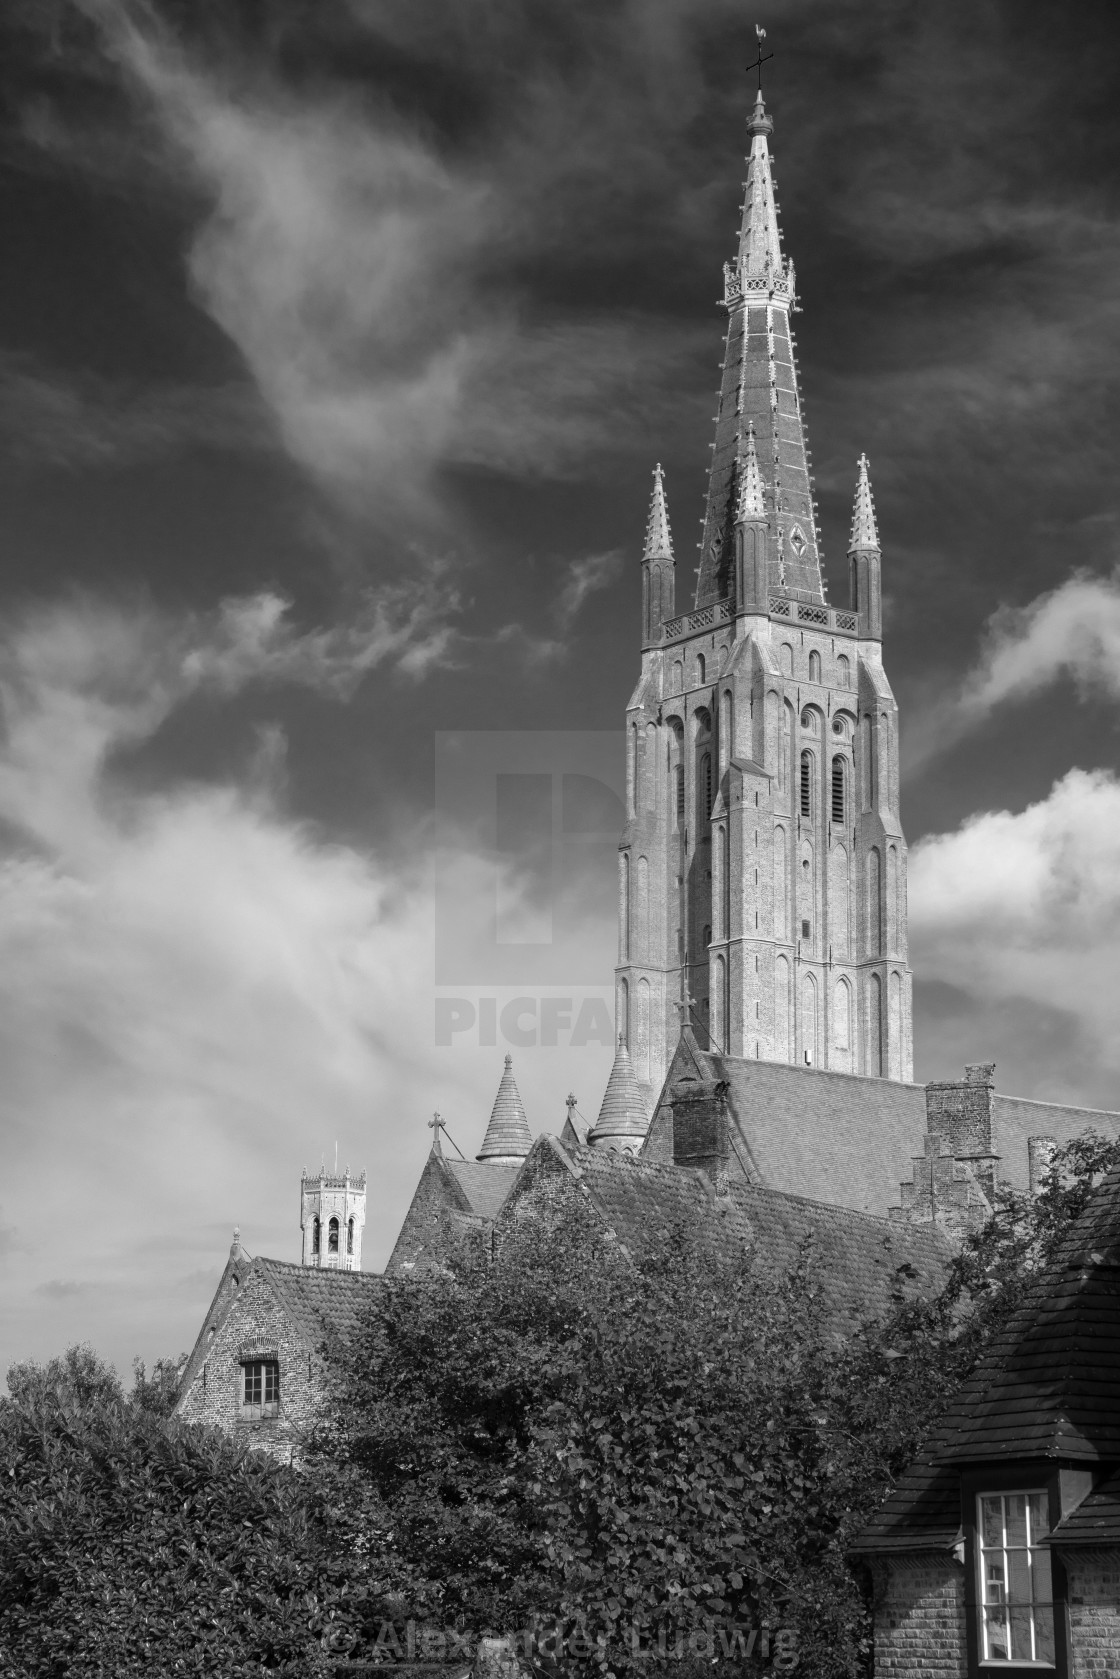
{"points": [[999, 1549], [259, 1369]]}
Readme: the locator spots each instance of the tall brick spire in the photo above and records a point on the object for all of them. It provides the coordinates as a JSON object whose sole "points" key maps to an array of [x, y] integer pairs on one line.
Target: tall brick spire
{"points": [[508, 1138], [760, 387]]}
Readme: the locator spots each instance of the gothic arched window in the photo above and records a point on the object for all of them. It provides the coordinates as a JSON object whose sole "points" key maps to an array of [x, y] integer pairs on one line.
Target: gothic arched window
{"points": [[814, 667], [806, 784], [349, 1235], [680, 795], [838, 790], [332, 1236], [316, 1231], [844, 670]]}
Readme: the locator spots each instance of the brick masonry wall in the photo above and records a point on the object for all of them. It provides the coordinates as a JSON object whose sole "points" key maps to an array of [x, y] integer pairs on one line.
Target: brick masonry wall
{"points": [[920, 1628], [1094, 1613], [257, 1327]]}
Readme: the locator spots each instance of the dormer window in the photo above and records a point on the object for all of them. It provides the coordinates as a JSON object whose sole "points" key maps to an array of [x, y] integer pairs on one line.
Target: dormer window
{"points": [[1015, 1587]]}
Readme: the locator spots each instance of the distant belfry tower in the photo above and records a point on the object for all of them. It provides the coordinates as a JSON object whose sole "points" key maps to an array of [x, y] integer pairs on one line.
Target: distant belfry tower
{"points": [[332, 1215], [763, 866]]}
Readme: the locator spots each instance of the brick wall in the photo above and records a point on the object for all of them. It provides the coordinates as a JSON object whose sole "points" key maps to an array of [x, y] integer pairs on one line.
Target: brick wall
{"points": [[1094, 1613], [255, 1326], [919, 1618]]}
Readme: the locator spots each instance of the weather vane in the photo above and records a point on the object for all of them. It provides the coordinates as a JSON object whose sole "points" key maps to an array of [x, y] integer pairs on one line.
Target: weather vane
{"points": [[763, 58]]}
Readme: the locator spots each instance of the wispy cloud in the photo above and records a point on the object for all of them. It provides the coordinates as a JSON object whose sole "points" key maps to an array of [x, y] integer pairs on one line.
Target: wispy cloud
{"points": [[80, 420], [1070, 632], [583, 578], [353, 266]]}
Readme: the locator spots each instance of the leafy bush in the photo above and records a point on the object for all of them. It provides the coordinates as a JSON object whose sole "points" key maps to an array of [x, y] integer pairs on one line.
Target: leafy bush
{"points": [[129, 1545]]}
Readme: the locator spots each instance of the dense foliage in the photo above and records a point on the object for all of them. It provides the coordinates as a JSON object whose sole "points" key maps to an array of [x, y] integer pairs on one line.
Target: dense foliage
{"points": [[669, 1449], [129, 1545]]}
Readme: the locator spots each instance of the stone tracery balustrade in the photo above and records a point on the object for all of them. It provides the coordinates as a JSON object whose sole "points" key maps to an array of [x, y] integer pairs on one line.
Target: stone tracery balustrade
{"points": [[781, 606]]}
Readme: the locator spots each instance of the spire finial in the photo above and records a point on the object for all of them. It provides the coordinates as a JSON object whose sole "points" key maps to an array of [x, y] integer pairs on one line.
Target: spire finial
{"points": [[749, 503], [763, 58], [436, 1124], [659, 540], [865, 530]]}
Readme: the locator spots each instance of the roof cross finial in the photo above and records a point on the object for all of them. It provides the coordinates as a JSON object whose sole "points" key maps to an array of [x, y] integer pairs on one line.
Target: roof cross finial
{"points": [[763, 58]]}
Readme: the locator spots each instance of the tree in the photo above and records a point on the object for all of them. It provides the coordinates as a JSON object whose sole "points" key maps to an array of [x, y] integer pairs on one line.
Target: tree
{"points": [[662, 1444], [130, 1545]]}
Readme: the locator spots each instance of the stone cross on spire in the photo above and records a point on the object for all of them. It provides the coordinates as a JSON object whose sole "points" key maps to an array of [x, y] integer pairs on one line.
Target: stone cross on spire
{"points": [[659, 540], [865, 530], [436, 1124]]}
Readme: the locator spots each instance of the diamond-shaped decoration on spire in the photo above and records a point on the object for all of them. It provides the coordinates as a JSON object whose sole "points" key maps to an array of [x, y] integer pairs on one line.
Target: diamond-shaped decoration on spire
{"points": [[507, 1136], [865, 531], [749, 503], [659, 540]]}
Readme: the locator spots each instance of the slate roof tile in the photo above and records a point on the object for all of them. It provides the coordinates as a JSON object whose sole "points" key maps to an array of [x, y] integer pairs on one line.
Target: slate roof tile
{"points": [[1047, 1385]]}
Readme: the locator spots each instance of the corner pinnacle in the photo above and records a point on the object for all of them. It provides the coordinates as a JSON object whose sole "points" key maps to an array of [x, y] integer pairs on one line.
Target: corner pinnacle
{"points": [[659, 540], [865, 530]]}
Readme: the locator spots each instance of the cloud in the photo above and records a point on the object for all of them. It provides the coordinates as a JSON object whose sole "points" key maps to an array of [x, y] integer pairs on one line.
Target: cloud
{"points": [[1070, 632], [198, 993], [79, 420], [1024, 908], [80, 681], [584, 576], [370, 284]]}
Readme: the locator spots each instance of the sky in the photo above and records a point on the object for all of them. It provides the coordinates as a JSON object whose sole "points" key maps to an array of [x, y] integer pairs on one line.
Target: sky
{"points": [[338, 341]]}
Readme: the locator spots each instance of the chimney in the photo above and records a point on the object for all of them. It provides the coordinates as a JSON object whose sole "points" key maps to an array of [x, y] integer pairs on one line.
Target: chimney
{"points": [[700, 1134]]}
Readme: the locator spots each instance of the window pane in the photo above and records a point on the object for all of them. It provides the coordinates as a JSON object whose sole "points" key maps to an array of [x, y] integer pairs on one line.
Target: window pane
{"points": [[1041, 1578], [1017, 1519], [1040, 1520], [271, 1383], [995, 1636], [1020, 1620], [252, 1384], [991, 1521], [1044, 1635]]}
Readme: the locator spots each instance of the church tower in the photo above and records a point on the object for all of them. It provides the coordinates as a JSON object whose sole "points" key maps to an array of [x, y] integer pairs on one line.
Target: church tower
{"points": [[332, 1216], [762, 889]]}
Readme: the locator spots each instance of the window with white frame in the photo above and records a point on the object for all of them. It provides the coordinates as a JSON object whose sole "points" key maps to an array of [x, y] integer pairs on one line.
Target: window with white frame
{"points": [[1016, 1583]]}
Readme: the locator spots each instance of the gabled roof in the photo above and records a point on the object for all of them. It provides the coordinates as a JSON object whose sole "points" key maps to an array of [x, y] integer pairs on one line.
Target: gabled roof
{"points": [[832, 1137], [320, 1305], [484, 1184], [859, 1256], [1046, 1387]]}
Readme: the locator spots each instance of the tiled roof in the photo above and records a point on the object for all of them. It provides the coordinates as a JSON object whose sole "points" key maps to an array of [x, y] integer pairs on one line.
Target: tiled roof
{"points": [[1015, 1118], [858, 1256], [321, 1305], [830, 1136], [484, 1183], [508, 1131], [1046, 1386], [1096, 1521]]}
